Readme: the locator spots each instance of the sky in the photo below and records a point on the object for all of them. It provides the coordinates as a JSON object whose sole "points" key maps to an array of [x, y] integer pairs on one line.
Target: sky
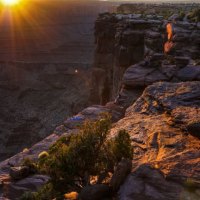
{"points": [[167, 0]]}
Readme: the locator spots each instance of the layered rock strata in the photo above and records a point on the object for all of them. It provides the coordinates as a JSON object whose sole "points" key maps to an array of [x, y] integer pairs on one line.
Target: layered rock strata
{"points": [[166, 161], [163, 123], [125, 39]]}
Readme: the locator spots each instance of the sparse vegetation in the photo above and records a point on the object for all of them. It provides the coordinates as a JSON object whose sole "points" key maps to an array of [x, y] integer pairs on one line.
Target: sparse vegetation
{"points": [[165, 10], [194, 15], [73, 160], [33, 167]]}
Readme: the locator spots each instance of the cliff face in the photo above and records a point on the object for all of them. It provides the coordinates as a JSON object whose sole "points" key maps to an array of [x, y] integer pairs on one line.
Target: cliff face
{"points": [[164, 127], [42, 45], [120, 42], [35, 98], [124, 40], [163, 99]]}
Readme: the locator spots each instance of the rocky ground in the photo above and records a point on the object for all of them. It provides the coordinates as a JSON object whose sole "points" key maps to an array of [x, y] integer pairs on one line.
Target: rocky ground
{"points": [[158, 104], [164, 127]]}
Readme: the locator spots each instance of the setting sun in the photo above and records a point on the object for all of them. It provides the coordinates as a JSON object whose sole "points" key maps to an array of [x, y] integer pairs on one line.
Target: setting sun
{"points": [[10, 2]]}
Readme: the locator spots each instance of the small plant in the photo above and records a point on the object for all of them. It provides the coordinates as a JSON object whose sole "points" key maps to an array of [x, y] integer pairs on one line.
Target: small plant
{"points": [[33, 168], [194, 15], [122, 146], [43, 155], [190, 185], [181, 15], [27, 196]]}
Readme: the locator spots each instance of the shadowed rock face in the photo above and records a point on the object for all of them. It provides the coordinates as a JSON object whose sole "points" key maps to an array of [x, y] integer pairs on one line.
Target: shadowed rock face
{"points": [[163, 127], [123, 40], [163, 122], [35, 98], [41, 48]]}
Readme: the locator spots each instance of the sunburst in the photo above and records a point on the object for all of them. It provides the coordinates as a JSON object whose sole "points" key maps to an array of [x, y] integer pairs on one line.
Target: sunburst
{"points": [[10, 2]]}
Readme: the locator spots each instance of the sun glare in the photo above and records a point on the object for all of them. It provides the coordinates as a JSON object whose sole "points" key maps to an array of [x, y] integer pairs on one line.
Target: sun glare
{"points": [[10, 2]]}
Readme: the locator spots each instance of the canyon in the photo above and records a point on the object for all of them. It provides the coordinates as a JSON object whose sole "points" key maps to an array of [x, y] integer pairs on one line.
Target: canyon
{"points": [[46, 55], [152, 93]]}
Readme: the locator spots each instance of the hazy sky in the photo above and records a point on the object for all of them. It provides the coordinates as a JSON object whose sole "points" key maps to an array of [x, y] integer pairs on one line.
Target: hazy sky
{"points": [[190, 1]]}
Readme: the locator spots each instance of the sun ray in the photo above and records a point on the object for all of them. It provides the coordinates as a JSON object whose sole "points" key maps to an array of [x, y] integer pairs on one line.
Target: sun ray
{"points": [[10, 2]]}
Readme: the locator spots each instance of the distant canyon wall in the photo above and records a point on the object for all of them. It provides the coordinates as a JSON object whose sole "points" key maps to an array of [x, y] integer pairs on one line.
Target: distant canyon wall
{"points": [[35, 98], [123, 40], [120, 43], [46, 55]]}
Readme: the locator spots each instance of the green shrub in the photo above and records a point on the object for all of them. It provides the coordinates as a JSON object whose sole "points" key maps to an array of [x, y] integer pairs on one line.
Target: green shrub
{"points": [[122, 146], [74, 159], [181, 14], [46, 192], [28, 196], [190, 185], [33, 167], [77, 155], [194, 15]]}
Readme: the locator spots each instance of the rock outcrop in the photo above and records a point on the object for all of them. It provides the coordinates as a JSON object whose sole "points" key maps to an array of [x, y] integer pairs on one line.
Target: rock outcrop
{"points": [[45, 65], [35, 98], [123, 40], [71, 125], [166, 150], [162, 94]]}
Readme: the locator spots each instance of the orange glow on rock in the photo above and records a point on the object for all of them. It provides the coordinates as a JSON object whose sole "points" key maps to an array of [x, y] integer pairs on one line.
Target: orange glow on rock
{"points": [[168, 46], [169, 31]]}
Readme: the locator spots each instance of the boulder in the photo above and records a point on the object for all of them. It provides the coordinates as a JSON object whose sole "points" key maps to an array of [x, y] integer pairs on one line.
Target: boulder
{"points": [[182, 61], [120, 174], [140, 76], [18, 173], [148, 183], [194, 128], [164, 128], [32, 183], [94, 112], [95, 192], [189, 73], [174, 17]]}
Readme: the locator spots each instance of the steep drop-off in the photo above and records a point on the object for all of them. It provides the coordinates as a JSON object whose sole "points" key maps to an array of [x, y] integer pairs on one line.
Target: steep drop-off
{"points": [[162, 94], [46, 54]]}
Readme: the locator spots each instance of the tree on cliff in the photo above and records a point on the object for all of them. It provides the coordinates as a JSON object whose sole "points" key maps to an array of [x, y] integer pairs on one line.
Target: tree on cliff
{"points": [[73, 161]]}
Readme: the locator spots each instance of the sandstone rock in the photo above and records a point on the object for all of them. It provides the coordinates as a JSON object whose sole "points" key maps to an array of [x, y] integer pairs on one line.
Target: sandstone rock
{"points": [[127, 96], [140, 76], [157, 57], [120, 174], [117, 111], [182, 61], [122, 39], [33, 183], [174, 17], [148, 183], [95, 192], [94, 112], [162, 124], [28, 120], [18, 173], [194, 128], [198, 25], [32, 154], [189, 73], [74, 122]]}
